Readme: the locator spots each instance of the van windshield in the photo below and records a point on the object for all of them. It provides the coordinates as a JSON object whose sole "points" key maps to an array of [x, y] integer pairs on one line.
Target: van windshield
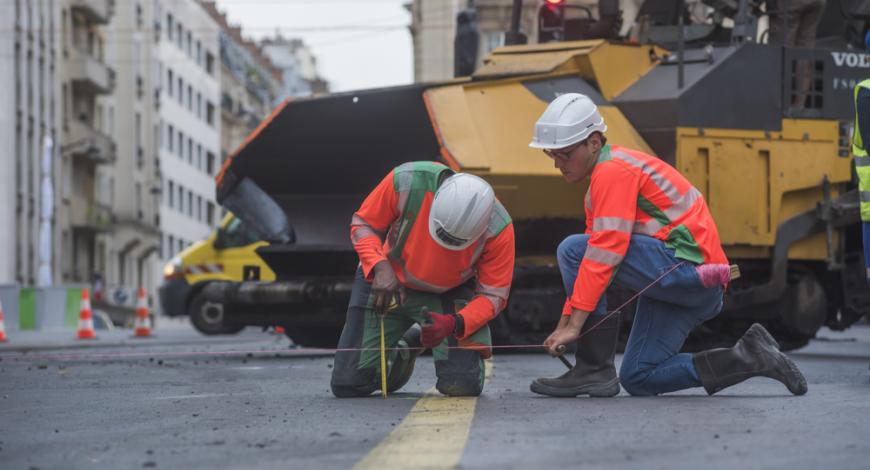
{"points": [[237, 234]]}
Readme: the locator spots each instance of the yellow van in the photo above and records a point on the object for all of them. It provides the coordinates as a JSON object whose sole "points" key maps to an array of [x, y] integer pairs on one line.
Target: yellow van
{"points": [[228, 254]]}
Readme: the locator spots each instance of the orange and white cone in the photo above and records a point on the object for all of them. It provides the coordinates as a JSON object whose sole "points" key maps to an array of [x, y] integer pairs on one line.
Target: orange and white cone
{"points": [[86, 317], [141, 323], [3, 337]]}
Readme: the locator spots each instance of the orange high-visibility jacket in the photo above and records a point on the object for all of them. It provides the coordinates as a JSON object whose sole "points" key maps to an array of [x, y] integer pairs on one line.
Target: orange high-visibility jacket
{"points": [[634, 193], [419, 261]]}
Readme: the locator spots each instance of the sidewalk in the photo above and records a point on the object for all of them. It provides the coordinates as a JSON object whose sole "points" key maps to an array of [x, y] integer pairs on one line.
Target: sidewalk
{"points": [[169, 332]]}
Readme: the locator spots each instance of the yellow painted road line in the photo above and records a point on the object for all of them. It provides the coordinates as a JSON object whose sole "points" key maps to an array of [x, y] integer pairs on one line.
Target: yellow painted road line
{"points": [[433, 435]]}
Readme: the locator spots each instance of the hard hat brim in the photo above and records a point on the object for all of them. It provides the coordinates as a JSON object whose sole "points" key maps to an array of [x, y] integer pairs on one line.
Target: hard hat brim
{"points": [[433, 228]]}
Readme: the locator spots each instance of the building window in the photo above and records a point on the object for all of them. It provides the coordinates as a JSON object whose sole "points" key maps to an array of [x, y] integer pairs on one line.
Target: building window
{"points": [[190, 203], [171, 193], [171, 137], [179, 37], [180, 198], [181, 145], [209, 113], [199, 208], [189, 45], [170, 26], [171, 81], [189, 98], [209, 214], [189, 150], [199, 156], [139, 15], [199, 105], [199, 53], [209, 163], [139, 213], [209, 63], [170, 245], [180, 91]]}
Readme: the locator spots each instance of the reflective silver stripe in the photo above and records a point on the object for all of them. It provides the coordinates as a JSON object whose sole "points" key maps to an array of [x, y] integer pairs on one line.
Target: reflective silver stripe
{"points": [[612, 223], [404, 177], [496, 295], [862, 161], [650, 227], [403, 201], [683, 204], [588, 201], [603, 256], [363, 229], [865, 196], [663, 183]]}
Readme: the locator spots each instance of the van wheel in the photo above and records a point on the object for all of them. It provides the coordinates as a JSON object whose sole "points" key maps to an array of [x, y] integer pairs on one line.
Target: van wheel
{"points": [[207, 317]]}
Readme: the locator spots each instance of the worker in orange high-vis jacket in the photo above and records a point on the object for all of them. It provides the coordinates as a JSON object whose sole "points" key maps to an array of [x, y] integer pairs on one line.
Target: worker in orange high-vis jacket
{"points": [[647, 229], [436, 253]]}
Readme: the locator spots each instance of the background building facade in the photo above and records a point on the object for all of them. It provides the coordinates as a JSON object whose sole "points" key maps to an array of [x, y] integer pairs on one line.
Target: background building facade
{"points": [[298, 67], [54, 65]]}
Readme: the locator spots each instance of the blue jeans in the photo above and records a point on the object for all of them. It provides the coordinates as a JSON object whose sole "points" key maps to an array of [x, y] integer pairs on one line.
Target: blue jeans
{"points": [[666, 312]]}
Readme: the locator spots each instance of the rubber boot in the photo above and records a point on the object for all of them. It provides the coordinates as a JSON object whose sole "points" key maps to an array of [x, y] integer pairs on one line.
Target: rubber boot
{"points": [[410, 346], [756, 354], [593, 373]]}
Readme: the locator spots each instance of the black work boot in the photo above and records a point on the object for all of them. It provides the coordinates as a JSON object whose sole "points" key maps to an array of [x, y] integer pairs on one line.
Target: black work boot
{"points": [[410, 346], [756, 354], [593, 373]]}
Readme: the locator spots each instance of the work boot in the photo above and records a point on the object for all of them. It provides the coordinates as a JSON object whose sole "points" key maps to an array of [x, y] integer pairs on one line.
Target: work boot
{"points": [[409, 347], [756, 354], [593, 373]]}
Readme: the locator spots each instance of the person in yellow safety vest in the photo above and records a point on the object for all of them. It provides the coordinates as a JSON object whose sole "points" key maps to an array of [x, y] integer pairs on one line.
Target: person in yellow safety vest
{"points": [[862, 161]]}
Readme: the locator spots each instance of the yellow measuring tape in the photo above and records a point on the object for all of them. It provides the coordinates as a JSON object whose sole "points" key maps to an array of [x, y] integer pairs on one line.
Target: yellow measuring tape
{"points": [[383, 360]]}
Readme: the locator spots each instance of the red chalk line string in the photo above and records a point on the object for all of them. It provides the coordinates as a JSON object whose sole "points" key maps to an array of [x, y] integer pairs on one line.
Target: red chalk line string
{"points": [[305, 351]]}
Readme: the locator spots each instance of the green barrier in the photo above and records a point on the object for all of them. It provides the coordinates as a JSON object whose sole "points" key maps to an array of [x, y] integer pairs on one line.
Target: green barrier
{"points": [[73, 305], [27, 309]]}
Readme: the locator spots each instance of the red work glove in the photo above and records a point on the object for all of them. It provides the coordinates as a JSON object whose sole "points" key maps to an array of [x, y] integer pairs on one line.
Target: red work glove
{"points": [[437, 327]]}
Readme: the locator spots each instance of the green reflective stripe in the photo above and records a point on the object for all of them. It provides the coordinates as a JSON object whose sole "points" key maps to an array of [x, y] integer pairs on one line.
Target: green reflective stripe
{"points": [[865, 212], [498, 220], [680, 240], [652, 210], [605, 154]]}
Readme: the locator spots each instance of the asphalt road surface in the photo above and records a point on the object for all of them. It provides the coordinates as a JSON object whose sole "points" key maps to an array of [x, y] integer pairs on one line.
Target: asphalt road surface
{"points": [[250, 402]]}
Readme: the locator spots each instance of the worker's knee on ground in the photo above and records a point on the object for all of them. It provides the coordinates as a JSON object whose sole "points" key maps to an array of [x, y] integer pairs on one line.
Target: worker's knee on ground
{"points": [[634, 381], [352, 391], [460, 385], [570, 249]]}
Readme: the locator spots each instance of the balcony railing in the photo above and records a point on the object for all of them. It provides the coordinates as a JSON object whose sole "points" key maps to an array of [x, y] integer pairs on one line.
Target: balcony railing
{"points": [[87, 214], [89, 73], [97, 11], [90, 143]]}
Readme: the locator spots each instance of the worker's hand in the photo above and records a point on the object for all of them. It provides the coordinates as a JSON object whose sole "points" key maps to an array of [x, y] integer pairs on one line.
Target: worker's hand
{"points": [[437, 327], [563, 322], [563, 336], [386, 288]]}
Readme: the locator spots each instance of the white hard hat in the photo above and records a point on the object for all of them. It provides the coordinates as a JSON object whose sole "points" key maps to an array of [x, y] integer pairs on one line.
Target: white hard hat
{"points": [[461, 210], [569, 119]]}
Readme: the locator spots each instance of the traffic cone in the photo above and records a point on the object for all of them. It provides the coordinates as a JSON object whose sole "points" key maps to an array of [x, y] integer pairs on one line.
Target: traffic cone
{"points": [[141, 322], [3, 337], [86, 318]]}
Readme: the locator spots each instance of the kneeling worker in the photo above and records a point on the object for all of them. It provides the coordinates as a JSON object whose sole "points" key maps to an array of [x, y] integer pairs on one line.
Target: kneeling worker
{"points": [[427, 239], [643, 218]]}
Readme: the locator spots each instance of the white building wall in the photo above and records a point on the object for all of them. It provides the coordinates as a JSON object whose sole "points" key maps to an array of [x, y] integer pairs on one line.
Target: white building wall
{"points": [[188, 186], [7, 148]]}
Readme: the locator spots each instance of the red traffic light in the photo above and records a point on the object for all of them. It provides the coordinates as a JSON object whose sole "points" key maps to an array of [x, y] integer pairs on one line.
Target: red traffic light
{"points": [[555, 2]]}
